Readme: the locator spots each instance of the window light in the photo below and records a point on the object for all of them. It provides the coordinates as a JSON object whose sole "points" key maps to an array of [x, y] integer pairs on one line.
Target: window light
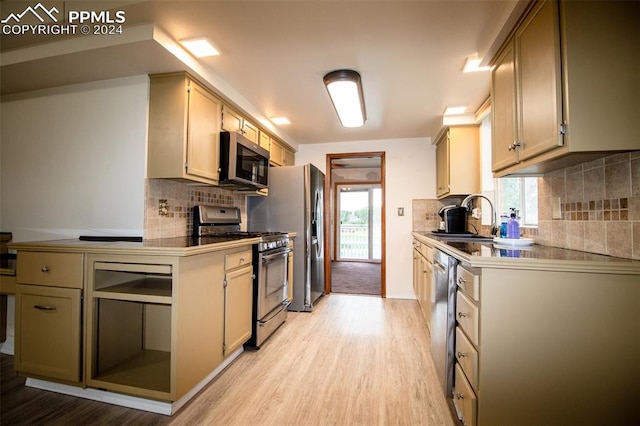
{"points": [[199, 47], [345, 90]]}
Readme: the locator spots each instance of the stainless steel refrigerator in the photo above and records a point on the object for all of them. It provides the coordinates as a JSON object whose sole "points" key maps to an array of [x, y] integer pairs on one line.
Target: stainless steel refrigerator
{"points": [[295, 204]]}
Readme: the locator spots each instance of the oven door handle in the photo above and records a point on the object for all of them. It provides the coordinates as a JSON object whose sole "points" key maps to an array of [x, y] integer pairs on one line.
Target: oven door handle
{"points": [[278, 254]]}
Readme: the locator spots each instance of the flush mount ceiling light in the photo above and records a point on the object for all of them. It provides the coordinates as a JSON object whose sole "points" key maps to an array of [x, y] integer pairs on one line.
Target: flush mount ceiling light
{"points": [[345, 90], [199, 47]]}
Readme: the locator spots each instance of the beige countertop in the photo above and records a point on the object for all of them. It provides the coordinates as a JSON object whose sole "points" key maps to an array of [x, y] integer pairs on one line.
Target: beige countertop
{"points": [[537, 257], [179, 246]]}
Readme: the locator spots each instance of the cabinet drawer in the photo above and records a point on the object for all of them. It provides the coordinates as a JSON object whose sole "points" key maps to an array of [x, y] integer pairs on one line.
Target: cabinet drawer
{"points": [[237, 259], [50, 269], [48, 332], [464, 398], [467, 357], [467, 316], [469, 282]]}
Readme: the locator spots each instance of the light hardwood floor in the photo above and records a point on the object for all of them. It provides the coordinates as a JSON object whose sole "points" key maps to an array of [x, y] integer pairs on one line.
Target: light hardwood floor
{"points": [[355, 360]]}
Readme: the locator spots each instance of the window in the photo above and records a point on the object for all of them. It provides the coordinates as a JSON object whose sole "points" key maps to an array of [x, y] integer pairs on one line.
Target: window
{"points": [[521, 194]]}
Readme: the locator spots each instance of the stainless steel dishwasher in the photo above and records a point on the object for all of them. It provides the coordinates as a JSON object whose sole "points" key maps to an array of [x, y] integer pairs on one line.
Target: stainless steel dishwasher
{"points": [[443, 301]]}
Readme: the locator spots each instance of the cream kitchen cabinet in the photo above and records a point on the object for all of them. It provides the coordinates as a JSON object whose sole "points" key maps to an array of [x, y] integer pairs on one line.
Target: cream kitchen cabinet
{"points": [[280, 155], [238, 299], [457, 161], [233, 121], [264, 140], [564, 88], [150, 320], [523, 338], [49, 315], [423, 277], [184, 130]]}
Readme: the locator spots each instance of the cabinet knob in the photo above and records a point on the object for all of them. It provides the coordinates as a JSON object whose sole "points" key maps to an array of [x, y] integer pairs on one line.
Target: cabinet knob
{"points": [[514, 145], [242, 259], [461, 280], [459, 395], [462, 314], [462, 354], [45, 269]]}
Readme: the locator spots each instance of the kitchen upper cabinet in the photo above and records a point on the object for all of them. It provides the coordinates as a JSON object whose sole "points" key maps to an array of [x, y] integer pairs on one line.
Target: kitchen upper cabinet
{"points": [[457, 161], [280, 155], [264, 140], [184, 130], [232, 121], [564, 87]]}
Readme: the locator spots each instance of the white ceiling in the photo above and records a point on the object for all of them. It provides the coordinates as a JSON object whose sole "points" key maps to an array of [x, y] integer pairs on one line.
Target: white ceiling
{"points": [[274, 54]]}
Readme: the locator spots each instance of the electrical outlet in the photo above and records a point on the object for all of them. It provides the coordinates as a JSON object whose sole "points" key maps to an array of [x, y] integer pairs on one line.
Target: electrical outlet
{"points": [[556, 207], [476, 213], [400, 211]]}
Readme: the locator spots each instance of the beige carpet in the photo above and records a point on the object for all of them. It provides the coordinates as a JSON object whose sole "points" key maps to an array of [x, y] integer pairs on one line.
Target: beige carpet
{"points": [[355, 278]]}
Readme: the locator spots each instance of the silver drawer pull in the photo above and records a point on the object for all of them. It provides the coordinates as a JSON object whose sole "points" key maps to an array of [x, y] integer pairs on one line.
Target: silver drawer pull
{"points": [[45, 307], [462, 354], [462, 314], [45, 269], [461, 280]]}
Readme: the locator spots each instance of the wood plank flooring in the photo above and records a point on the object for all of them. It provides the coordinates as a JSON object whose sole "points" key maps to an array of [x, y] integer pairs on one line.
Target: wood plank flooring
{"points": [[355, 360]]}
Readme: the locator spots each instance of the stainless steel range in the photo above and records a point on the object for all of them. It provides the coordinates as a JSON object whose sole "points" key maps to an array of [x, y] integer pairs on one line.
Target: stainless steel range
{"points": [[270, 266]]}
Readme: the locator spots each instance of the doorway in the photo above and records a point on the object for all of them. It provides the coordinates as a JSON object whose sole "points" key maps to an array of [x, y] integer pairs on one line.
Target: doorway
{"points": [[358, 218], [355, 255]]}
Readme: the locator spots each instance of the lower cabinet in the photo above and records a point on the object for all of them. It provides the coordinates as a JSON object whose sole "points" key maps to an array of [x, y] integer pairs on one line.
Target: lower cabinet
{"points": [[48, 324], [423, 277], [238, 300], [154, 326]]}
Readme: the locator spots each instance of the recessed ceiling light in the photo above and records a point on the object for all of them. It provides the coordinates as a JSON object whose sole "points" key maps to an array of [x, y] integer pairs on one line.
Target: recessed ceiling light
{"points": [[280, 120], [199, 47], [472, 64], [455, 110]]}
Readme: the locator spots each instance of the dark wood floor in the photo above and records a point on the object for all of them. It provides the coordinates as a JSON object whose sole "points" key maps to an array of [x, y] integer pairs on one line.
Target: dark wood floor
{"points": [[21, 405]]}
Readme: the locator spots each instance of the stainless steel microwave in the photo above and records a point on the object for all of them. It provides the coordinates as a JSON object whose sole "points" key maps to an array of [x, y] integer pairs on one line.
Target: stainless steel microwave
{"points": [[243, 163]]}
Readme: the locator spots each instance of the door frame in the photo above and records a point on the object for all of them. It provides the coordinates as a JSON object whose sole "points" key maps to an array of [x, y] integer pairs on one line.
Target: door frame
{"points": [[329, 192]]}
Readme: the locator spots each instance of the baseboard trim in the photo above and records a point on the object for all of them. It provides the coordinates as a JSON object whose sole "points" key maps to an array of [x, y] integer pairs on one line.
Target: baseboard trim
{"points": [[153, 406]]}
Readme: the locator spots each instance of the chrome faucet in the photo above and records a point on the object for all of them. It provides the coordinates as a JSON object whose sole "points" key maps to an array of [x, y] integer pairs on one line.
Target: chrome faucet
{"points": [[494, 218]]}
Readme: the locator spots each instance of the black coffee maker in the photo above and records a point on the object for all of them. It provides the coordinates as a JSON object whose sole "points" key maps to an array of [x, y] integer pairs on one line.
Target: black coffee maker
{"points": [[454, 218]]}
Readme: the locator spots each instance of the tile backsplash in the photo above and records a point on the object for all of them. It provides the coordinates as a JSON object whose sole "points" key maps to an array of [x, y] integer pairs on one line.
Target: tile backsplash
{"points": [[600, 207], [168, 206]]}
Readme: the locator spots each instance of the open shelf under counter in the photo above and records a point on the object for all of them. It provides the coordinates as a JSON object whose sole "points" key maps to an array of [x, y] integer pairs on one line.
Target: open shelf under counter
{"points": [[148, 369]]}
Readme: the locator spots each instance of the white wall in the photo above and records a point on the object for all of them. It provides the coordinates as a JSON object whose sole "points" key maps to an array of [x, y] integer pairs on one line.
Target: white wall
{"points": [[410, 174], [73, 160]]}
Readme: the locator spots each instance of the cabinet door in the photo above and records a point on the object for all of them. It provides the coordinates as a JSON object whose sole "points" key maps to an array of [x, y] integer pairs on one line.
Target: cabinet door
{"points": [[539, 83], [290, 276], [289, 157], [276, 153], [264, 140], [203, 137], [238, 300], [503, 110], [250, 131], [442, 166], [48, 332], [231, 120]]}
